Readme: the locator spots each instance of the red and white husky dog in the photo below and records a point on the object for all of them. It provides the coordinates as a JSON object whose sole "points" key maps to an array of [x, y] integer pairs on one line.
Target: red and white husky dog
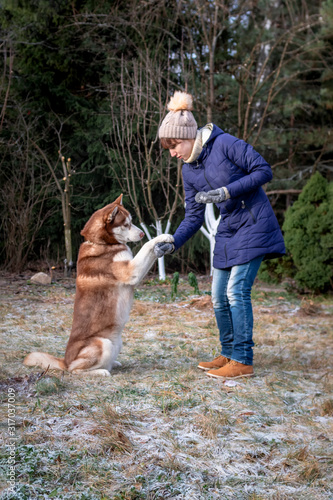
{"points": [[106, 276]]}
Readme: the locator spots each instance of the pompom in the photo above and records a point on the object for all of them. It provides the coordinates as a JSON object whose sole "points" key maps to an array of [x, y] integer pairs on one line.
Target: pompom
{"points": [[180, 101]]}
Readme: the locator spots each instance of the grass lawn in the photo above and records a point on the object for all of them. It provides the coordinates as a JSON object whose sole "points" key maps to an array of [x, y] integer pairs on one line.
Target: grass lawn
{"points": [[159, 428]]}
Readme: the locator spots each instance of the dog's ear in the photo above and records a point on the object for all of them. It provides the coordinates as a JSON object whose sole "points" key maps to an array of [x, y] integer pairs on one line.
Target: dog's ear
{"points": [[112, 215], [119, 200]]}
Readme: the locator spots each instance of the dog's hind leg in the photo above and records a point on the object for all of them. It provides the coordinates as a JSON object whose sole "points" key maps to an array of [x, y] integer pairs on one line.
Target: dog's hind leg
{"points": [[96, 356]]}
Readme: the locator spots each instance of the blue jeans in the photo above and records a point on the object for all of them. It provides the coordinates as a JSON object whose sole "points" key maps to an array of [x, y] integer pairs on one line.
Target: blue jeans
{"points": [[231, 296]]}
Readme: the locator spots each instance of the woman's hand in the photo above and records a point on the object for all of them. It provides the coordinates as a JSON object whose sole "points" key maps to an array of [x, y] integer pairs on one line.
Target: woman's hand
{"points": [[161, 249], [214, 196]]}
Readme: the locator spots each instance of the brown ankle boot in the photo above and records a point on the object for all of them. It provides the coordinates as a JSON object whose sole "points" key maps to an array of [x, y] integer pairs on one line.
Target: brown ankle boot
{"points": [[233, 369], [216, 363]]}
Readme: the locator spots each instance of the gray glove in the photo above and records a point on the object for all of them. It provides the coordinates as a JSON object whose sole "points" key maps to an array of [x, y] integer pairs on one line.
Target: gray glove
{"points": [[161, 249], [215, 196]]}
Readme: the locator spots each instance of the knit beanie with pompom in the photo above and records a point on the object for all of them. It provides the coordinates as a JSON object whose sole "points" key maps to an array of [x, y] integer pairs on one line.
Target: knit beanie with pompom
{"points": [[179, 123]]}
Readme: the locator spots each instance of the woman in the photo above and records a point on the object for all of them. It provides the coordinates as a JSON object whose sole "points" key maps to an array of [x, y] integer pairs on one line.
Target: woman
{"points": [[219, 168]]}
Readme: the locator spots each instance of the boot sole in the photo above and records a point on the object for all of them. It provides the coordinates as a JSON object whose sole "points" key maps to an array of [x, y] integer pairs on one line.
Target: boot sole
{"points": [[207, 369], [230, 378]]}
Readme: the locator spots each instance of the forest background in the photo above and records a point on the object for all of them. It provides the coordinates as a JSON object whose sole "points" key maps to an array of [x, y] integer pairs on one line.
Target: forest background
{"points": [[84, 87]]}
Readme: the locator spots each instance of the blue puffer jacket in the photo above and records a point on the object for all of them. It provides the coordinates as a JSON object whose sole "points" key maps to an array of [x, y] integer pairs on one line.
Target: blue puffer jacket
{"points": [[248, 226]]}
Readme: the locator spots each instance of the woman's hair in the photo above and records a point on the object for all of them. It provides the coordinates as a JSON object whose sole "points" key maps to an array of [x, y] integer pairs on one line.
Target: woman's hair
{"points": [[168, 143]]}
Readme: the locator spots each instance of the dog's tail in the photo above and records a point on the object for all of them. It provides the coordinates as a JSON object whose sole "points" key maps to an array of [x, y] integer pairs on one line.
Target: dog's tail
{"points": [[45, 361]]}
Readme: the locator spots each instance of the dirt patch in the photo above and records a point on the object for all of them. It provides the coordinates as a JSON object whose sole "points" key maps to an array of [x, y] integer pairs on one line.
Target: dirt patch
{"points": [[204, 302], [22, 384]]}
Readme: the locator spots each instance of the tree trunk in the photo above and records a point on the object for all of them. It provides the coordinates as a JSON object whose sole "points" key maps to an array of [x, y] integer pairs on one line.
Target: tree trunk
{"points": [[210, 230]]}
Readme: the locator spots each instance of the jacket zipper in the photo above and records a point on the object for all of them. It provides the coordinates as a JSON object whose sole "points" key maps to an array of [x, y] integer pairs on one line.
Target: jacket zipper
{"points": [[249, 210], [207, 179]]}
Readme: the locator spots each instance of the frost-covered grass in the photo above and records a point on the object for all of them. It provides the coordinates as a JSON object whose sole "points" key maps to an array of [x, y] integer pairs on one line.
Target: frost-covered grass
{"points": [[160, 428]]}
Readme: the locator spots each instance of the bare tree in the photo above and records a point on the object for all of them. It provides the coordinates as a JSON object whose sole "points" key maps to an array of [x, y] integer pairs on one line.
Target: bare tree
{"points": [[25, 188], [6, 79], [144, 173], [270, 67], [64, 190]]}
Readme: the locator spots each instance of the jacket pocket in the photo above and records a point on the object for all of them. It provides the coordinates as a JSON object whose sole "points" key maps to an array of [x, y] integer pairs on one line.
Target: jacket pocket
{"points": [[230, 205]]}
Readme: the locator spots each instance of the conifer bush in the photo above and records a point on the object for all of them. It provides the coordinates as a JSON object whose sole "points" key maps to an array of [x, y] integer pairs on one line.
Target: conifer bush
{"points": [[192, 279], [174, 285], [273, 271], [308, 233]]}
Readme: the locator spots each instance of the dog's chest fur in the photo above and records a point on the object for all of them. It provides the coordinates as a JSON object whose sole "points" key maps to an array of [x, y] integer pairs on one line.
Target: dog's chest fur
{"points": [[107, 298], [125, 292]]}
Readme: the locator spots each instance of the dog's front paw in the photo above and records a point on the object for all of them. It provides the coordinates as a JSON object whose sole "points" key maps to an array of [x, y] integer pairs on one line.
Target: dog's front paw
{"points": [[163, 238]]}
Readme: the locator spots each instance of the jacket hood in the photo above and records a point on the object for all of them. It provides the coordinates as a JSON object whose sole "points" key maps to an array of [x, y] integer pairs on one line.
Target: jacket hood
{"points": [[215, 132], [205, 138]]}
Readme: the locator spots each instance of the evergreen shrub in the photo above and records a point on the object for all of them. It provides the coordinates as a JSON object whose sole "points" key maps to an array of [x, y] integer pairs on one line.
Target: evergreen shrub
{"points": [[274, 270], [192, 279], [174, 285], [308, 233]]}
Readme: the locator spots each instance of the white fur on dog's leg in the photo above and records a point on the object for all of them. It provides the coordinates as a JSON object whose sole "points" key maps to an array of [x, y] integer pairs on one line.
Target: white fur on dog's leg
{"points": [[116, 363], [100, 371], [163, 238], [146, 257]]}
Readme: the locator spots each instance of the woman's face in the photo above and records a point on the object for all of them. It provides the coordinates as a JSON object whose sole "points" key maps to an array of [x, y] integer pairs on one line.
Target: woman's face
{"points": [[183, 149]]}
